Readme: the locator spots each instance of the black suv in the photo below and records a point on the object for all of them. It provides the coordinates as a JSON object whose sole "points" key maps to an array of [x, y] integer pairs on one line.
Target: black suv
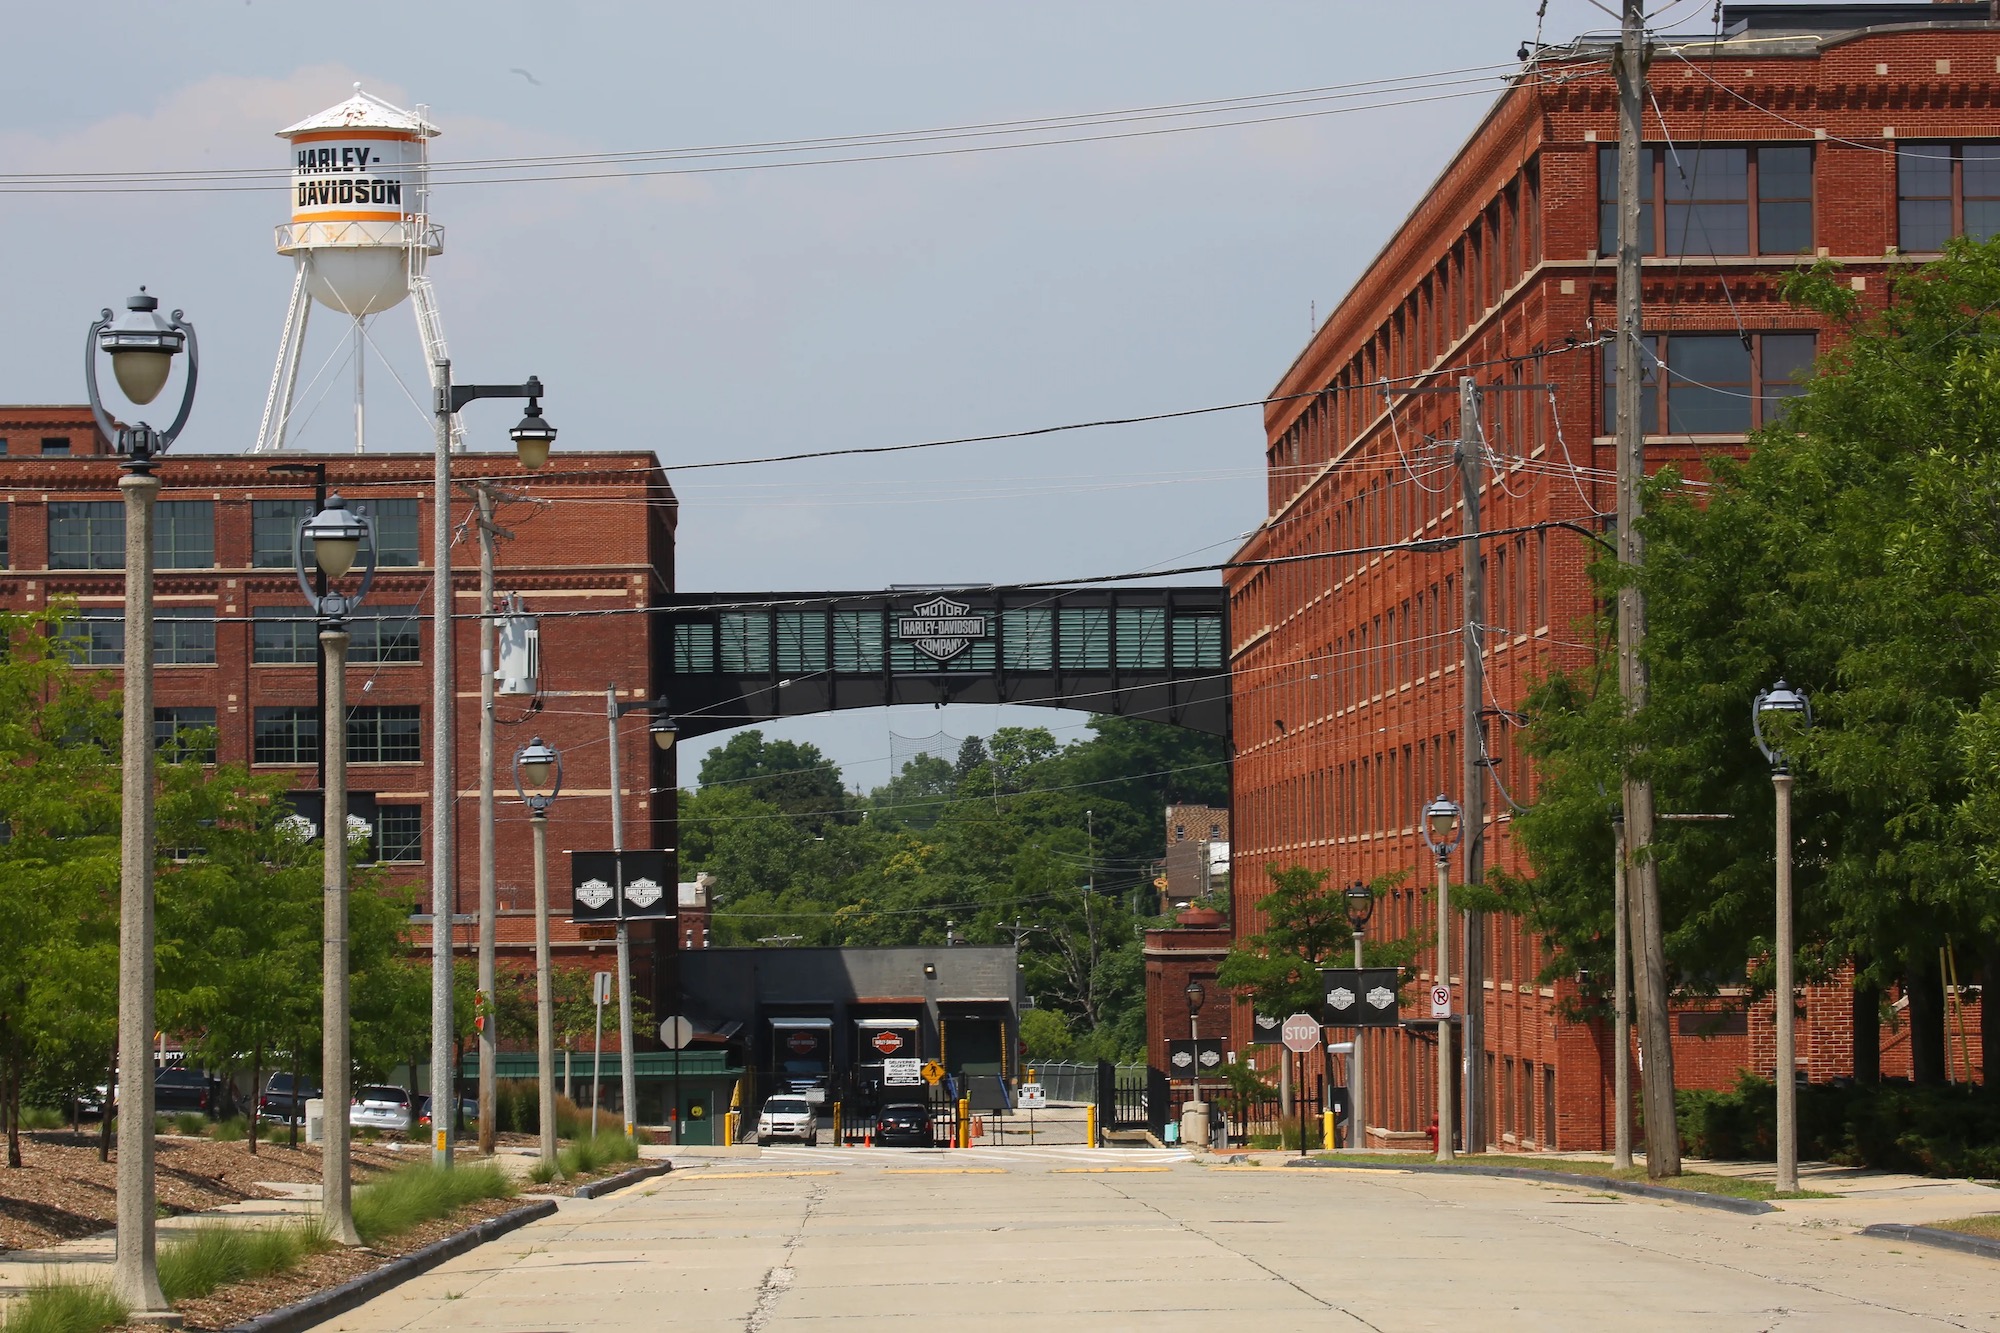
{"points": [[176, 1091], [905, 1123], [283, 1102]]}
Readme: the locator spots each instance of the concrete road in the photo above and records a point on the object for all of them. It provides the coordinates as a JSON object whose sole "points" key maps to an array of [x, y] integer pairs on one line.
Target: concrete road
{"points": [[1067, 1238]]}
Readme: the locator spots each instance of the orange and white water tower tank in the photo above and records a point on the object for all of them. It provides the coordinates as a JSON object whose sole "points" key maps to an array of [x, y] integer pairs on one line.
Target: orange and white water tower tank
{"points": [[357, 206]]}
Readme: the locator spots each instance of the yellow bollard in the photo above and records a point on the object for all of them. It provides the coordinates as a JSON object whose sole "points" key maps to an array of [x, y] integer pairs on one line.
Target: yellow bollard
{"points": [[1090, 1125], [1325, 1130], [729, 1119], [836, 1124], [965, 1122]]}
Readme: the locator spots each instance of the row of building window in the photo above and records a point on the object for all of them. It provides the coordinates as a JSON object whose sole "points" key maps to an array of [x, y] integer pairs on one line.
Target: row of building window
{"points": [[90, 534], [49, 446], [1712, 383], [1758, 199], [383, 734], [280, 636]]}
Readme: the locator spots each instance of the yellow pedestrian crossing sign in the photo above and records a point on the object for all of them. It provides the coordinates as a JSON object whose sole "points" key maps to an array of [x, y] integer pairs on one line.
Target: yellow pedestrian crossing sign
{"points": [[933, 1072]]}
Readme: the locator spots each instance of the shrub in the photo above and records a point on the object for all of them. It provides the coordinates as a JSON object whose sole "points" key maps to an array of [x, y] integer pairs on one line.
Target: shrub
{"points": [[42, 1117], [1938, 1131], [517, 1106], [192, 1123], [416, 1194], [233, 1130], [542, 1172], [590, 1154], [573, 1122], [65, 1307], [216, 1253]]}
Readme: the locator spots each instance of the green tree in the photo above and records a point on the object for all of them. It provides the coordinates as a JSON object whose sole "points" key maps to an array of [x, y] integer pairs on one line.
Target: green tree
{"points": [[1306, 928]]}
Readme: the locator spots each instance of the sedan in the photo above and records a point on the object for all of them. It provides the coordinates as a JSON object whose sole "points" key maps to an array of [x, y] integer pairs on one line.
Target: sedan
{"points": [[907, 1124], [468, 1110], [380, 1106]]}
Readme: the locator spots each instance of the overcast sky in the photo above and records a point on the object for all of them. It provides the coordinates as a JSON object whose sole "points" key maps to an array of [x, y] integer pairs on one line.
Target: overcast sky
{"points": [[736, 314]]}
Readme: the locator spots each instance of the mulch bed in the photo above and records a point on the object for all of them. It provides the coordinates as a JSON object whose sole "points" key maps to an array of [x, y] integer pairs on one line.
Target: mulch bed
{"points": [[233, 1304], [62, 1192]]}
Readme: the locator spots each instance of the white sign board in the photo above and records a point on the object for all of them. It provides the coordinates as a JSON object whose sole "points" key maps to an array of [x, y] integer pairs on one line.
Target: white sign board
{"points": [[601, 988], [676, 1033], [1300, 1033], [1033, 1097], [902, 1073], [1440, 1002]]}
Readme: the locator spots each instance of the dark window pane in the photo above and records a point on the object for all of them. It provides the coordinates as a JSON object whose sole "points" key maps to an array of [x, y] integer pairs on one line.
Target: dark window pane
{"points": [[95, 638], [1707, 193], [694, 648], [1784, 200], [184, 534], [399, 833], [285, 736], [384, 735], [1708, 384], [1649, 388], [1788, 360], [397, 541], [1607, 201], [185, 734], [273, 526], [1030, 637], [378, 634], [802, 637], [86, 534], [281, 636], [746, 642], [184, 636], [3, 535], [1923, 196]]}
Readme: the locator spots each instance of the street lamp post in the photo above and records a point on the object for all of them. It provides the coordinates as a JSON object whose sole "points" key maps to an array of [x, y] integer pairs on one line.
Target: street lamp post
{"points": [[1781, 701], [532, 438], [663, 732], [336, 537], [142, 347], [1360, 906], [1441, 830], [1195, 994], [538, 777]]}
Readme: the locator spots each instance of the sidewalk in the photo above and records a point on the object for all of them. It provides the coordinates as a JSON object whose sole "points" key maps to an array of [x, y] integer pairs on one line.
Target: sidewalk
{"points": [[1862, 1197]]}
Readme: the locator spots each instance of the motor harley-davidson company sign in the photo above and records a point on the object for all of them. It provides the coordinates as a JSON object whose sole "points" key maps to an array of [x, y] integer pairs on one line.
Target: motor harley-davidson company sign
{"points": [[941, 629]]}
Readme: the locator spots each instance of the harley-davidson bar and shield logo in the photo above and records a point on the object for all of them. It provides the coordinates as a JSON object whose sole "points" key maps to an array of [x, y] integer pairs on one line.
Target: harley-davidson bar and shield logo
{"points": [[940, 629]]}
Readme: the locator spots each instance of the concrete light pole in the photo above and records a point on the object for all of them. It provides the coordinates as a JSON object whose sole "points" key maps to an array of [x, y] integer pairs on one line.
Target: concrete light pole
{"points": [[336, 537], [1782, 701], [538, 777], [1440, 825], [532, 438], [663, 731], [142, 348]]}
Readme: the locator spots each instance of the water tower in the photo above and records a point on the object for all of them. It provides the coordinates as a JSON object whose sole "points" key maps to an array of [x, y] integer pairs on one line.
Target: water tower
{"points": [[359, 239]]}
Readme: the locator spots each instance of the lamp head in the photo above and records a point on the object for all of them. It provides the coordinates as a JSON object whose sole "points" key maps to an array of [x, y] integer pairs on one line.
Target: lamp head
{"points": [[1360, 905], [335, 534], [532, 437], [1196, 993], [1783, 708], [538, 769], [142, 347], [1440, 827], [664, 732]]}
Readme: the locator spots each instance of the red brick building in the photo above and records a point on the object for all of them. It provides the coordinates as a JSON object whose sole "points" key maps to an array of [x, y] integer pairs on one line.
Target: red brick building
{"points": [[1867, 133], [235, 648]]}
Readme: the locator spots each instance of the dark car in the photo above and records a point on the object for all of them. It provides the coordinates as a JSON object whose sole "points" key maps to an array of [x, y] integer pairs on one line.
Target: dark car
{"points": [[283, 1102], [904, 1124], [468, 1111], [178, 1091]]}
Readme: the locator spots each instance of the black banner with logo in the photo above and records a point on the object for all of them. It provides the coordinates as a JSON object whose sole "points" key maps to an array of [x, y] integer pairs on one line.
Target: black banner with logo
{"points": [[632, 886], [1360, 997]]}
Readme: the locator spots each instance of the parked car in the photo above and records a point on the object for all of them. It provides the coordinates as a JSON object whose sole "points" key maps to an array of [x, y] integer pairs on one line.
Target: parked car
{"points": [[788, 1118], [283, 1102], [468, 1110], [904, 1124], [380, 1106], [178, 1091]]}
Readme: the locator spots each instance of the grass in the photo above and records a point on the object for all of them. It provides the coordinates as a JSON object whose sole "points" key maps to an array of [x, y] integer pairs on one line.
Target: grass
{"points": [[543, 1172], [233, 1130], [1695, 1182], [42, 1117], [1986, 1224], [192, 1123], [417, 1194], [215, 1254], [587, 1155], [65, 1307]]}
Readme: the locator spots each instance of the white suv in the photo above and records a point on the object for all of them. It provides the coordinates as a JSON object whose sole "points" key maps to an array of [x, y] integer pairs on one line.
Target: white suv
{"points": [[788, 1118]]}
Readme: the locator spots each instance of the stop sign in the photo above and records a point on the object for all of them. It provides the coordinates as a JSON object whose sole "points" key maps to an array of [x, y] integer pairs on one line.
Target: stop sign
{"points": [[888, 1042], [1300, 1033]]}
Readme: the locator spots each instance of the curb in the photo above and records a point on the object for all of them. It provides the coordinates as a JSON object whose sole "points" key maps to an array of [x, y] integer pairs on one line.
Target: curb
{"points": [[1961, 1241], [596, 1188], [324, 1305], [1722, 1202]]}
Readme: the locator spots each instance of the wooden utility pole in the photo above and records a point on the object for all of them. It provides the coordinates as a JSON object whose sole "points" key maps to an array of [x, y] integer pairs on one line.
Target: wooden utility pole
{"points": [[1472, 767], [1663, 1154]]}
